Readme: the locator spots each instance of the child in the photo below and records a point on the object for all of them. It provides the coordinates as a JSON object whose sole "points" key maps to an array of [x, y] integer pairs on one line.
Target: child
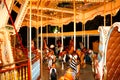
{"points": [[53, 74]]}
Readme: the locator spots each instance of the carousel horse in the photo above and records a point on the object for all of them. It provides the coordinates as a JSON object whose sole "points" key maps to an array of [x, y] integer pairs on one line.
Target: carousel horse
{"points": [[45, 50], [18, 53], [49, 56], [73, 71], [112, 54], [5, 48], [108, 58], [81, 56], [45, 47], [100, 57], [69, 75], [75, 65]]}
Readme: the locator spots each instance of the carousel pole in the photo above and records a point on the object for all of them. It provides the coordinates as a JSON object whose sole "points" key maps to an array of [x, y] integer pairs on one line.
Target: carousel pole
{"points": [[28, 47], [29, 60], [83, 30], [111, 14], [37, 25], [47, 33], [104, 14], [62, 39], [104, 19], [88, 41], [74, 26], [104, 26], [41, 45], [84, 33], [37, 37], [37, 32], [62, 30], [104, 55]]}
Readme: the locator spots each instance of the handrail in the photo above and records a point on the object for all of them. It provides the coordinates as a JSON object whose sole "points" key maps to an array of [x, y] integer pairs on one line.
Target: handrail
{"points": [[33, 60], [14, 63], [16, 67], [21, 71]]}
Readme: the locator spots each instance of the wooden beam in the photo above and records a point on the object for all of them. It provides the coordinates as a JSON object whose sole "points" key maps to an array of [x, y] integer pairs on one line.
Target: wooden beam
{"points": [[21, 1], [16, 9], [78, 33]]}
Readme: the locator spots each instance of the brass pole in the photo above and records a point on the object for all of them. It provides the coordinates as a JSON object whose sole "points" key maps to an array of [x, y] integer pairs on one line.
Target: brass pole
{"points": [[41, 44], [104, 63], [88, 41], [74, 26], [104, 14], [47, 33], [37, 24], [111, 14], [30, 64], [62, 29], [83, 30]]}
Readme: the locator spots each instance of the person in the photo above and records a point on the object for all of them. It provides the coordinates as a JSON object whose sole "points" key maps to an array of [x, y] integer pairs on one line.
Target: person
{"points": [[59, 48], [53, 72], [51, 57], [34, 51], [86, 53], [65, 55], [45, 44], [71, 46], [73, 63]]}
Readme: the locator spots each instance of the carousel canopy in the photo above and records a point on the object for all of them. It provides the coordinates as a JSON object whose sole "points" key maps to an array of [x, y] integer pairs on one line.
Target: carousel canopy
{"points": [[59, 12]]}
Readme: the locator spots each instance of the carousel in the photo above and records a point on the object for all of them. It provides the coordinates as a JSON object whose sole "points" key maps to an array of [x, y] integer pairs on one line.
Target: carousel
{"points": [[20, 62]]}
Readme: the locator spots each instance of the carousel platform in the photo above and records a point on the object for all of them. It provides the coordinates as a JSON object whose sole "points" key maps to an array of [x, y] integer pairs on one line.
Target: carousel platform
{"points": [[85, 73]]}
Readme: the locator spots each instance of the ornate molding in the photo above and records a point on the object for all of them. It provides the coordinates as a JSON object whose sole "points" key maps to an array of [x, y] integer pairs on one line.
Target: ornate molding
{"points": [[118, 25], [21, 15]]}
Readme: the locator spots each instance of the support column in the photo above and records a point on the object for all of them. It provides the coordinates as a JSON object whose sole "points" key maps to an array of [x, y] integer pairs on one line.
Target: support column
{"points": [[88, 41], [41, 70], [29, 61], [74, 26]]}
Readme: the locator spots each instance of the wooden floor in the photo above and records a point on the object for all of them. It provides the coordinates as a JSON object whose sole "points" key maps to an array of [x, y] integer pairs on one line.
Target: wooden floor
{"points": [[85, 74]]}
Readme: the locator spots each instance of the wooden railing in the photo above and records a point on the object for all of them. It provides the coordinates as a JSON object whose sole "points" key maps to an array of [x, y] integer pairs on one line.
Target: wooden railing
{"points": [[19, 72]]}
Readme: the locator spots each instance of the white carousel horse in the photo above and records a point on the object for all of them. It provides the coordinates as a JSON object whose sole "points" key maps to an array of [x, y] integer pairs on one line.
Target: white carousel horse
{"points": [[109, 57], [99, 62], [5, 46], [112, 53]]}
